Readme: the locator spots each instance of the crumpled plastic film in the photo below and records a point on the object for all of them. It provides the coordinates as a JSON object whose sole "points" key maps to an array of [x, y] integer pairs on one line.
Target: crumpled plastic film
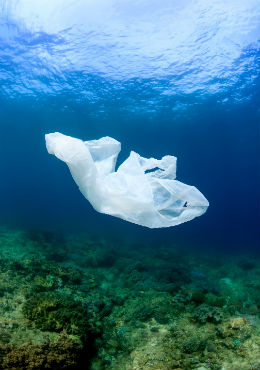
{"points": [[142, 190]]}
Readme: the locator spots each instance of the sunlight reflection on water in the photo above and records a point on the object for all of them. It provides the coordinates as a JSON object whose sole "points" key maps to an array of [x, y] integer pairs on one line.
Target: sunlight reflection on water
{"points": [[142, 52]]}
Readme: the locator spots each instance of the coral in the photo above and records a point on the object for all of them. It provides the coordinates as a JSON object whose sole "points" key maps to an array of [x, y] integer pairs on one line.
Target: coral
{"points": [[214, 300], [204, 313], [62, 354], [193, 344], [53, 311], [237, 323], [198, 297], [143, 312], [5, 335], [238, 328]]}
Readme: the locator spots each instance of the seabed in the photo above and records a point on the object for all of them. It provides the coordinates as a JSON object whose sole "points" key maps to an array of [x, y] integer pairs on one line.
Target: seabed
{"points": [[83, 302]]}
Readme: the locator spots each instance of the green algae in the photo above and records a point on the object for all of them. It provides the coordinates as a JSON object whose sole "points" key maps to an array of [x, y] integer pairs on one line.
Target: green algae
{"points": [[73, 300]]}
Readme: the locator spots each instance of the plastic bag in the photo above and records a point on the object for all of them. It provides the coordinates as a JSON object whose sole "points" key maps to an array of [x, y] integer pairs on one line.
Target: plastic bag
{"points": [[143, 191]]}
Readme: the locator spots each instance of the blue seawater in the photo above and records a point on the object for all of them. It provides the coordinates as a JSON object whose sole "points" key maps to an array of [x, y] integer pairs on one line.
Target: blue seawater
{"points": [[162, 77]]}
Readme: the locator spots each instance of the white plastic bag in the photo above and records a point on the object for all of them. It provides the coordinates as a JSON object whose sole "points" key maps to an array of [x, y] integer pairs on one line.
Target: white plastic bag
{"points": [[143, 191]]}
